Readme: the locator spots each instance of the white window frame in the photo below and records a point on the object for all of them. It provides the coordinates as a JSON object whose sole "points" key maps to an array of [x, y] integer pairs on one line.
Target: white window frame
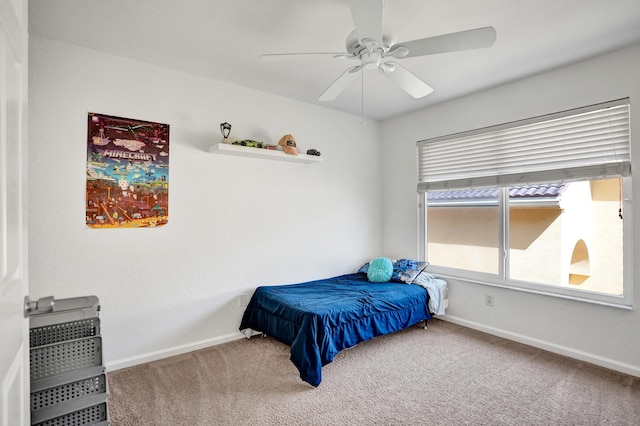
{"points": [[624, 301]]}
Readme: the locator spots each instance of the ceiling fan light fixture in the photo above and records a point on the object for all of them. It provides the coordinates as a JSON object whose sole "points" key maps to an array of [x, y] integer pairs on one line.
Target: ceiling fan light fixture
{"points": [[387, 67], [370, 60]]}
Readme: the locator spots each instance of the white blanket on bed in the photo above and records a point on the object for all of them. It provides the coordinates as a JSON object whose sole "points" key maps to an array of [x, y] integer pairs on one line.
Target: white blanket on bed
{"points": [[437, 289]]}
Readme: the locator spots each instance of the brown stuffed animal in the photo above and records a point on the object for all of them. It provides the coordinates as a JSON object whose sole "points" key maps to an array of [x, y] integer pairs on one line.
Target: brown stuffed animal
{"points": [[288, 144]]}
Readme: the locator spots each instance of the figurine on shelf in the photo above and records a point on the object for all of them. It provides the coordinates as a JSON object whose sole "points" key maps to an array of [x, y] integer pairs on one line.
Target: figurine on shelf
{"points": [[225, 129], [288, 144]]}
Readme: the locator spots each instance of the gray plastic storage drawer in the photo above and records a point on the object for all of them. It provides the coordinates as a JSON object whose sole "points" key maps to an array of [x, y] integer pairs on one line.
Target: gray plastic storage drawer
{"points": [[70, 393], [56, 333], [94, 414], [60, 358]]}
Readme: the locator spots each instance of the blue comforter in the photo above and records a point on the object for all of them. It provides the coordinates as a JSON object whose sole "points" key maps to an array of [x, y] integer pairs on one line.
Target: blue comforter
{"points": [[320, 318]]}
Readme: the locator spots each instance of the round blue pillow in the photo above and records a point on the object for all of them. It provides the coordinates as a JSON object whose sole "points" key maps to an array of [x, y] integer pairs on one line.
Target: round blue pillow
{"points": [[380, 270]]}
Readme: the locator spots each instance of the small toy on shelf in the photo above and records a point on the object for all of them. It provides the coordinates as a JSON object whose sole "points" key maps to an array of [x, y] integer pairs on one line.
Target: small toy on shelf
{"points": [[288, 144], [225, 129], [250, 143]]}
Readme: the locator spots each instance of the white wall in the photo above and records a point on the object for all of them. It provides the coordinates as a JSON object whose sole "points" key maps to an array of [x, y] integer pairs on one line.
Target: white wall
{"points": [[603, 335], [235, 223]]}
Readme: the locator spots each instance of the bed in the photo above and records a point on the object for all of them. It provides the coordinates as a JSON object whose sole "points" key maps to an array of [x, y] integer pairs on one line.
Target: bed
{"points": [[318, 319]]}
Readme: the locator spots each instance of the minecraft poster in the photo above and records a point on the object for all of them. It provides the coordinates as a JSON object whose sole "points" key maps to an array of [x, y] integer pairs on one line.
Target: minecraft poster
{"points": [[127, 173]]}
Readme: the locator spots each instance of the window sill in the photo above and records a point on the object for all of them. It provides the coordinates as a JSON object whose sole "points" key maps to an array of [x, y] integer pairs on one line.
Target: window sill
{"points": [[540, 289]]}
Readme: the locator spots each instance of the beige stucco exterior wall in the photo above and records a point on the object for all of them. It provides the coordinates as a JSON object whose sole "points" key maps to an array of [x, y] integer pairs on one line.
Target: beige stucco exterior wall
{"points": [[544, 241]]}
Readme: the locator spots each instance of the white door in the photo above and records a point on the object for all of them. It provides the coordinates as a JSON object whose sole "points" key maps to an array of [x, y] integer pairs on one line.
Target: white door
{"points": [[14, 343]]}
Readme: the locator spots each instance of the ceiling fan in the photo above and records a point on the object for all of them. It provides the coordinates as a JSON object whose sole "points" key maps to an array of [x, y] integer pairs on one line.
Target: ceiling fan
{"points": [[372, 45]]}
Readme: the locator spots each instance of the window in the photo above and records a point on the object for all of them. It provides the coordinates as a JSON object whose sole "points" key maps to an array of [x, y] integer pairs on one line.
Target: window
{"points": [[536, 205]]}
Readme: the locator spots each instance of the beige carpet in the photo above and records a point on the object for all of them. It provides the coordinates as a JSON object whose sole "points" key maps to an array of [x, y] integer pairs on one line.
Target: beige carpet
{"points": [[446, 375]]}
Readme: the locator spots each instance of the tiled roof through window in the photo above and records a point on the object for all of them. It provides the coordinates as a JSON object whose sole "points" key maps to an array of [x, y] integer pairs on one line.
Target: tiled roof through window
{"points": [[548, 190]]}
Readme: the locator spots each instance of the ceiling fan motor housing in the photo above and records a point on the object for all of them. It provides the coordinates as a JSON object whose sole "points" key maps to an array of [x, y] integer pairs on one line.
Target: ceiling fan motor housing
{"points": [[357, 47]]}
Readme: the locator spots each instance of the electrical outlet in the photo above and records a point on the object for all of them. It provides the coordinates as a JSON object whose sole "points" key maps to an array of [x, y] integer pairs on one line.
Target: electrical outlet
{"points": [[488, 299], [243, 300]]}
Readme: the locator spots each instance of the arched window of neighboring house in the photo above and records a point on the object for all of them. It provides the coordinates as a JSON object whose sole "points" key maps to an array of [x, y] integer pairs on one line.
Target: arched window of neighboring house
{"points": [[580, 268]]}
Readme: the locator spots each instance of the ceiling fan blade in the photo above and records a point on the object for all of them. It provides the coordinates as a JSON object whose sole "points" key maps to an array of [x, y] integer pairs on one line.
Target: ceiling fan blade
{"points": [[367, 18], [453, 42], [405, 80], [280, 57], [341, 83]]}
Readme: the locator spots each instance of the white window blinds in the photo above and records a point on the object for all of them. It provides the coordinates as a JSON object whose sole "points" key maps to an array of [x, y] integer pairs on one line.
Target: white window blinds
{"points": [[590, 142]]}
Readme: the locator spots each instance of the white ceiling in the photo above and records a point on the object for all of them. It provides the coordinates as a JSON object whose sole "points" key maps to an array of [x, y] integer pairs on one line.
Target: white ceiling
{"points": [[224, 39]]}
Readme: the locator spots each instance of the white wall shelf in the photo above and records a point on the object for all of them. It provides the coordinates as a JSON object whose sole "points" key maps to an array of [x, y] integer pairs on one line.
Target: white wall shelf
{"points": [[243, 151]]}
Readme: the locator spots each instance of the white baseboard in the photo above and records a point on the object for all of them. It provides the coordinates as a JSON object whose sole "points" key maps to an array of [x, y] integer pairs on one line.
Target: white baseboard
{"points": [[169, 352], [611, 364]]}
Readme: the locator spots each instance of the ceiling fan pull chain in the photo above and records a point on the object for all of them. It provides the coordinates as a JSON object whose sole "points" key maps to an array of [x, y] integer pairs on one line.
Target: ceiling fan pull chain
{"points": [[362, 121]]}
